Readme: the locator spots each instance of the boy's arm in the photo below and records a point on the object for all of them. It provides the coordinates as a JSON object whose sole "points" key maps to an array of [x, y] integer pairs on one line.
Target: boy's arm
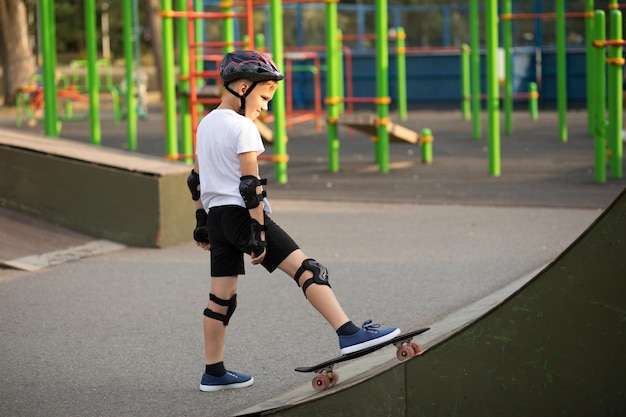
{"points": [[249, 167]]}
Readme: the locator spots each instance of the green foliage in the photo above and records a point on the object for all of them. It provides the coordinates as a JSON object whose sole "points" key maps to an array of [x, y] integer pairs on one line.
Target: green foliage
{"points": [[70, 26]]}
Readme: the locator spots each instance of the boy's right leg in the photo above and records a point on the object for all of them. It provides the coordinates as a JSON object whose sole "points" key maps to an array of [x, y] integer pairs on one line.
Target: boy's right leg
{"points": [[221, 306]]}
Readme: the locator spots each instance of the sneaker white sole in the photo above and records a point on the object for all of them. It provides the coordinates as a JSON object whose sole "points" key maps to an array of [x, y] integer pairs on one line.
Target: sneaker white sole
{"points": [[370, 343], [211, 388]]}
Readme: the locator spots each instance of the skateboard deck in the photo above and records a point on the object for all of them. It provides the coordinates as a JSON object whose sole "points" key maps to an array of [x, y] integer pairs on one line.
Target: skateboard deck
{"points": [[326, 377]]}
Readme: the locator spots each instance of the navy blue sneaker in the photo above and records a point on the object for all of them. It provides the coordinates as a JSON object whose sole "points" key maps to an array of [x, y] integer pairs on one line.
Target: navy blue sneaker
{"points": [[369, 335], [228, 381]]}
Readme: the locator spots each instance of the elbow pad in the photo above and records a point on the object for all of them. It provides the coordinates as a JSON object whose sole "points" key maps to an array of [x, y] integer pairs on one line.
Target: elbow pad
{"points": [[247, 189], [193, 182]]}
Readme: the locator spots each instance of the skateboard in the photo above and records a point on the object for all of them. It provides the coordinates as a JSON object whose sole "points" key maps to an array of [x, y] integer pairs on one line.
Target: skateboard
{"points": [[326, 377]]}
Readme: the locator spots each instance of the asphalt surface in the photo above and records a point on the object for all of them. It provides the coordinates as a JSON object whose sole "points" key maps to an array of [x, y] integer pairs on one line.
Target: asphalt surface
{"points": [[121, 333]]}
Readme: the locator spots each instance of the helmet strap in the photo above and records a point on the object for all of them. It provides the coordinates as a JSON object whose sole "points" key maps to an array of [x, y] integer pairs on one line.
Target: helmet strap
{"points": [[242, 97]]}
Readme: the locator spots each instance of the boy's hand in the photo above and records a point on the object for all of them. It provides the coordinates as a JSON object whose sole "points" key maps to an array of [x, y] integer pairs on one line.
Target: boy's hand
{"points": [[257, 243], [204, 245], [258, 259]]}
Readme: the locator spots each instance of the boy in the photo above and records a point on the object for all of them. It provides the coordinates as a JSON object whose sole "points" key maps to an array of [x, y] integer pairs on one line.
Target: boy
{"points": [[232, 218]]}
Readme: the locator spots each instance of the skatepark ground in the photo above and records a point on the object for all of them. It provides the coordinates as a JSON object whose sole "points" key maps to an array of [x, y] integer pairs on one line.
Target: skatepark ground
{"points": [[120, 333]]}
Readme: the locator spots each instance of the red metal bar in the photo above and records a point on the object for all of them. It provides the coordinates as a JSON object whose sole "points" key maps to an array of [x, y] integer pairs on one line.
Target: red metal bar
{"points": [[317, 113], [359, 99], [250, 22], [289, 92], [431, 49], [193, 98], [215, 44], [200, 15], [358, 36]]}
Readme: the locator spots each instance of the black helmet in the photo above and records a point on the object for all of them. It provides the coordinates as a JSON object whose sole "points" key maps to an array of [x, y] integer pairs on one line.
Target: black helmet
{"points": [[251, 65]]}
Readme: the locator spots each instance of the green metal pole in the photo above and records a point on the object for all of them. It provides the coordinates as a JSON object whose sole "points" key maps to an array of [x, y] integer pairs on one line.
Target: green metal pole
{"points": [[228, 35], [184, 69], [92, 71], [259, 41], [131, 101], [279, 103], [589, 7], [332, 85], [466, 92], [493, 105], [401, 72], [533, 101], [600, 99], [474, 22], [507, 28], [382, 85], [426, 138], [561, 69], [169, 85], [616, 73], [49, 68]]}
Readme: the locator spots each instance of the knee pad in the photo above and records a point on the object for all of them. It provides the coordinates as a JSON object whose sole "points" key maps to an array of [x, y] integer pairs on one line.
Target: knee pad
{"points": [[320, 274], [224, 318]]}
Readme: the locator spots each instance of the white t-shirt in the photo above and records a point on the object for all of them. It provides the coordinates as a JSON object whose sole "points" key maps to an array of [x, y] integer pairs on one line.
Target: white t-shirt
{"points": [[221, 136]]}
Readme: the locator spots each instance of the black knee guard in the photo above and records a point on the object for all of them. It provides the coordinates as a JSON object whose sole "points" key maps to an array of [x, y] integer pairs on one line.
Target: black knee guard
{"points": [[320, 274], [224, 318]]}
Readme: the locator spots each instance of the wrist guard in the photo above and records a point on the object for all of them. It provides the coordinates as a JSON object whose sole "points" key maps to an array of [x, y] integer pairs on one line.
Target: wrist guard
{"points": [[201, 232], [255, 244]]}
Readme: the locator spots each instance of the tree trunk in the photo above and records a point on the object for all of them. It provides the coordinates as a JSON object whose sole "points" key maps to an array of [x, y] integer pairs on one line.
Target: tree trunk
{"points": [[154, 8], [18, 60]]}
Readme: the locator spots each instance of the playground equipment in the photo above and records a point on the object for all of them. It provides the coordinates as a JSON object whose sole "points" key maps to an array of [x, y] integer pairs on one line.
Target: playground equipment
{"points": [[71, 89], [92, 86], [532, 96], [195, 52], [594, 88], [608, 134], [103, 82], [380, 123], [192, 90], [560, 17]]}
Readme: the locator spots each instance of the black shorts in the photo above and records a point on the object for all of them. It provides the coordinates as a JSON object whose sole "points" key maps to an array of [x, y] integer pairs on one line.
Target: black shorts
{"points": [[229, 232]]}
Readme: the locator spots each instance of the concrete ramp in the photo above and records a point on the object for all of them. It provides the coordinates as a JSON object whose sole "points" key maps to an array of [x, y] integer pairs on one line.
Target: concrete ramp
{"points": [[555, 345]]}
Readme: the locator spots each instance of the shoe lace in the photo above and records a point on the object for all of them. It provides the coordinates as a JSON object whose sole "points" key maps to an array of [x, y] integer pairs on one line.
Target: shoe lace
{"points": [[369, 327]]}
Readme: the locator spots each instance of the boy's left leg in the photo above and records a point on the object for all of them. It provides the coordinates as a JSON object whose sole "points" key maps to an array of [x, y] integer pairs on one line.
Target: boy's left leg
{"points": [[323, 299]]}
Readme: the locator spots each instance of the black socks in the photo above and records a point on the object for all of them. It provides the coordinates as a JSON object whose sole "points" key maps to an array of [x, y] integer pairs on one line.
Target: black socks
{"points": [[216, 370], [347, 329]]}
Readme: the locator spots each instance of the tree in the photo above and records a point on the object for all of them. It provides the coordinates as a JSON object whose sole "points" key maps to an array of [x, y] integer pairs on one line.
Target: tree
{"points": [[16, 53]]}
